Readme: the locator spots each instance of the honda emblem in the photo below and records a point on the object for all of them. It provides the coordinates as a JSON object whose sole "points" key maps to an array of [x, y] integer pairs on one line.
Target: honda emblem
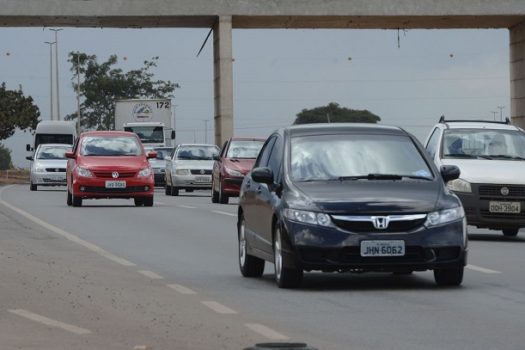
{"points": [[381, 222]]}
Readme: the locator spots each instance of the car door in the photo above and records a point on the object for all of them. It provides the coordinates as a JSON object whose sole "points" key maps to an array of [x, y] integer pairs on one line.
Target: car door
{"points": [[71, 164], [169, 162]]}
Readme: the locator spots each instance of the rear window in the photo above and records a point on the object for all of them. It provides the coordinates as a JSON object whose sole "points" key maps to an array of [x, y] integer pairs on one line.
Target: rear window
{"points": [[110, 146]]}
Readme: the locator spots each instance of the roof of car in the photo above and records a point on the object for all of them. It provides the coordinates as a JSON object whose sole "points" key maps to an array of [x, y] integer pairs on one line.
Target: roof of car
{"points": [[479, 125], [196, 144], [108, 133], [330, 128], [248, 139]]}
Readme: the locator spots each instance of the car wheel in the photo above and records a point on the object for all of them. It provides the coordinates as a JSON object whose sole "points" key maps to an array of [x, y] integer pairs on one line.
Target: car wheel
{"points": [[148, 201], [285, 277], [214, 194], [32, 187], [223, 198], [174, 191], [139, 201], [449, 276], [167, 189], [76, 201], [69, 200], [511, 232], [249, 265]]}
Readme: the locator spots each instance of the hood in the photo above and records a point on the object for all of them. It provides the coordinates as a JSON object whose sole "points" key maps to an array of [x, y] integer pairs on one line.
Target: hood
{"points": [[157, 163], [194, 164], [373, 197], [503, 172], [114, 163], [50, 163], [241, 165]]}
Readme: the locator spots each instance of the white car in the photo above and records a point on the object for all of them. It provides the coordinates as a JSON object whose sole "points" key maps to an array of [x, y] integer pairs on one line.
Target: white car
{"points": [[491, 158], [49, 165], [190, 167]]}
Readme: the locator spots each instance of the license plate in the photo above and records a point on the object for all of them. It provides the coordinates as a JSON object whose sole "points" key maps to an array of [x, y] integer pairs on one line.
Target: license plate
{"points": [[115, 184], [203, 179], [505, 207], [382, 248]]}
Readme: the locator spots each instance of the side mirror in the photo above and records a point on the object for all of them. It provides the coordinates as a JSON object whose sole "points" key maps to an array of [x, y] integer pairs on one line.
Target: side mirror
{"points": [[263, 175], [449, 172], [29, 157], [70, 155], [173, 134], [28, 147], [151, 155]]}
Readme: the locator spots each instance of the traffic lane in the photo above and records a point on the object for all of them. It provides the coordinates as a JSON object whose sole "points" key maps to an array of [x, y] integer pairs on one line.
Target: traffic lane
{"points": [[57, 295]]}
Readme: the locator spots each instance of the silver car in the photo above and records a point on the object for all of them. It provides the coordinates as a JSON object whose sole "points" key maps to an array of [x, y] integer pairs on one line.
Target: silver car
{"points": [[49, 165], [190, 167], [159, 164]]}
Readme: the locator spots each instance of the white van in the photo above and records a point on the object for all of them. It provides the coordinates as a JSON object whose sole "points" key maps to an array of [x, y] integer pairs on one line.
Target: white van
{"points": [[53, 131]]}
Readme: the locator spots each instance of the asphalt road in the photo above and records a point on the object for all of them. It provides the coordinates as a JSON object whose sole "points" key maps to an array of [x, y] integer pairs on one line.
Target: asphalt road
{"points": [[166, 277]]}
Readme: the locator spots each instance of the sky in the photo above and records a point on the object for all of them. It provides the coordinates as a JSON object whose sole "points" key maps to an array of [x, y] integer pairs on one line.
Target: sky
{"points": [[408, 78]]}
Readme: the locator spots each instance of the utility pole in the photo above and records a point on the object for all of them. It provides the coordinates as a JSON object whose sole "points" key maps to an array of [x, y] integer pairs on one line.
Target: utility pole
{"points": [[501, 112], [205, 131], [78, 92], [50, 77], [494, 113], [56, 71]]}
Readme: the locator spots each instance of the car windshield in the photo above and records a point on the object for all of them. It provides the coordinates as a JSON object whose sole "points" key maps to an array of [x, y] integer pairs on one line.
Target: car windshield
{"points": [[162, 153], [484, 144], [110, 146], [244, 149], [352, 157], [197, 152], [53, 152]]}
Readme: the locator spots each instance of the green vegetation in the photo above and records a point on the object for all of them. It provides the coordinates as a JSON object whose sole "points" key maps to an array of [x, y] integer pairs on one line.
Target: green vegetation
{"points": [[333, 113], [16, 111], [5, 158]]}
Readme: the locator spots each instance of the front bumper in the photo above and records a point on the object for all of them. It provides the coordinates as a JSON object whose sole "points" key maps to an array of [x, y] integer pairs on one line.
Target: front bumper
{"points": [[85, 187], [476, 206], [332, 249], [192, 181], [48, 179]]}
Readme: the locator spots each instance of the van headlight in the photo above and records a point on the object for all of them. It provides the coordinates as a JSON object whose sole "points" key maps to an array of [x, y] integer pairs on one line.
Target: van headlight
{"points": [[459, 185], [308, 217], [445, 216], [145, 172]]}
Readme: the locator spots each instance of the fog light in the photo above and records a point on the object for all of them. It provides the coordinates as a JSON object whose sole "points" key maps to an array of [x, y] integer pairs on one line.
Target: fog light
{"points": [[82, 189], [146, 188]]}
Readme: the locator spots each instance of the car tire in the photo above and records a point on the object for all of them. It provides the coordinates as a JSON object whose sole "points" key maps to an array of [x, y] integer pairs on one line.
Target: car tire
{"points": [[174, 191], [214, 194], [511, 232], [449, 276], [284, 277], [223, 198], [76, 201], [148, 201], [69, 200], [139, 201], [167, 189], [249, 265], [33, 187]]}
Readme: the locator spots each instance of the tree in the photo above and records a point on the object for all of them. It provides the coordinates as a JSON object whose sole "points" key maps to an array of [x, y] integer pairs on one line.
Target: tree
{"points": [[5, 158], [333, 113], [103, 84], [16, 111]]}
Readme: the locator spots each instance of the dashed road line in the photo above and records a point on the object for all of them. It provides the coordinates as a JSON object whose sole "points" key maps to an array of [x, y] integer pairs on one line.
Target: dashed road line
{"points": [[142, 347], [67, 235], [50, 322], [266, 331], [186, 206], [223, 213], [481, 269], [219, 308], [151, 274], [182, 289]]}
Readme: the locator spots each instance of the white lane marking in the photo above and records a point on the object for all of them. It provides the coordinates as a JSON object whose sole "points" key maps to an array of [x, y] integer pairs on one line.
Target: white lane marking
{"points": [[481, 269], [49, 322], [67, 235], [223, 213], [161, 203], [142, 347], [151, 274], [182, 289], [219, 308], [266, 331], [186, 206]]}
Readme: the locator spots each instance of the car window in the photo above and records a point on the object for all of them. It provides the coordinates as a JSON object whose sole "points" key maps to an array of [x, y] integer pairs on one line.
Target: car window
{"points": [[432, 144], [223, 149], [332, 157], [52, 152], [262, 159], [110, 146], [197, 152], [244, 149], [276, 157], [162, 153], [483, 143]]}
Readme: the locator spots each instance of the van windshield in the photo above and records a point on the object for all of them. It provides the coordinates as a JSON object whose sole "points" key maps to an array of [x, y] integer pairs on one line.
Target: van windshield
{"points": [[53, 138]]}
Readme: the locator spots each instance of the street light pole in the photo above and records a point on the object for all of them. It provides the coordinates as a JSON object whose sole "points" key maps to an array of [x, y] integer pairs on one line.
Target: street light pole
{"points": [[494, 114], [205, 131], [501, 112], [56, 71], [50, 77], [78, 92]]}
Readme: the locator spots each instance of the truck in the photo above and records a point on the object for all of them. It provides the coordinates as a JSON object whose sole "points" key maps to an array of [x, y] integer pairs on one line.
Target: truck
{"points": [[150, 119], [53, 131]]}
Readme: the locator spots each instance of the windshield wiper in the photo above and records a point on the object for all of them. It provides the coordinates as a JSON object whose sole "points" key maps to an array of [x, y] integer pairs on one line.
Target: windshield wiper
{"points": [[373, 176], [505, 156], [461, 155]]}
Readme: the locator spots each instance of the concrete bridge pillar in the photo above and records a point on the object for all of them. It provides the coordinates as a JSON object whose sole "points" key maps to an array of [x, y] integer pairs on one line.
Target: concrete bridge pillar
{"points": [[223, 78], [517, 74]]}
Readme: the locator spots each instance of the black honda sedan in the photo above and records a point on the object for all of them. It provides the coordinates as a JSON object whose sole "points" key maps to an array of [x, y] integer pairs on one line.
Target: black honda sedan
{"points": [[349, 198]]}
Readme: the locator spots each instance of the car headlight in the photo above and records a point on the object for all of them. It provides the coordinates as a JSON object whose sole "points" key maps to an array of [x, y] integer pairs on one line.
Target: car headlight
{"points": [[308, 217], [145, 172], [233, 172], [84, 172], [459, 185], [182, 172], [445, 216], [40, 169]]}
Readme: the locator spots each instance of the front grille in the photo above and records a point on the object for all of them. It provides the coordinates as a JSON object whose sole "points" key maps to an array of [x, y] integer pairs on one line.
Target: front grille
{"points": [[56, 170], [367, 226], [54, 180], [130, 189], [109, 174], [493, 191], [489, 215], [200, 172]]}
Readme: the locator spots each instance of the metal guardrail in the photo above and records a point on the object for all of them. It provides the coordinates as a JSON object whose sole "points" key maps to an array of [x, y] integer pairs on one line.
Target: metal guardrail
{"points": [[15, 175]]}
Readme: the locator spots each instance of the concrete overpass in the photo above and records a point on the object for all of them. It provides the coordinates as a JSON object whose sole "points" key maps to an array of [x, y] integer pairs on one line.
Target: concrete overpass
{"points": [[224, 15]]}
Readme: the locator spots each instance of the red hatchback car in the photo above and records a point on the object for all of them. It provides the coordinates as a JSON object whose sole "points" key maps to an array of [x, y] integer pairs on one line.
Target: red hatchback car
{"points": [[109, 164], [234, 161]]}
